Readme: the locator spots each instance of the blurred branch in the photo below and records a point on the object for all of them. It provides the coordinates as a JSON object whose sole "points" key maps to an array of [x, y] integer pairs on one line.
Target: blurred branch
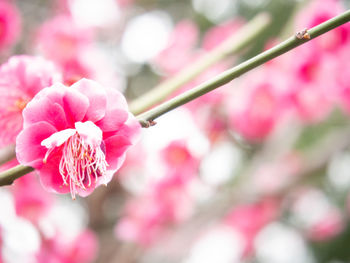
{"points": [[7, 154], [232, 45], [145, 119], [300, 38], [7, 177]]}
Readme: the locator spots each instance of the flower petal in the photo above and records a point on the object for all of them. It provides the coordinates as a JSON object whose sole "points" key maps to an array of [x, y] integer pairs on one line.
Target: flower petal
{"points": [[115, 149], [131, 129], [28, 144], [58, 138], [89, 132], [97, 98], [44, 110], [52, 181], [75, 104], [116, 100], [113, 120], [54, 93], [50, 176]]}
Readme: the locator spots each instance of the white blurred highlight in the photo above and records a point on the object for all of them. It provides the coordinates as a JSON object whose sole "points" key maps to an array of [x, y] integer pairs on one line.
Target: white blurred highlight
{"points": [[146, 35], [95, 12], [338, 172], [220, 165], [278, 243], [221, 245], [215, 10], [20, 238], [312, 200], [66, 217]]}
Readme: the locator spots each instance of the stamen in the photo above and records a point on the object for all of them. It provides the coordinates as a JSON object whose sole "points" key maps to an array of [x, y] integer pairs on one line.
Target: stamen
{"points": [[80, 161], [20, 104]]}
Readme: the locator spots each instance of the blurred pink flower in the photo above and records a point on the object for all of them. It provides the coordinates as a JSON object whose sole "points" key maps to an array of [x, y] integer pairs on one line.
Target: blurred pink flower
{"points": [[180, 49], [218, 34], [82, 249], [10, 24], [318, 12], [31, 200], [329, 227], [148, 216], [342, 73], [166, 202], [125, 3], [319, 63], [72, 48], [89, 63], [178, 157], [76, 137], [249, 219], [60, 39], [313, 82], [21, 77], [325, 223], [256, 114]]}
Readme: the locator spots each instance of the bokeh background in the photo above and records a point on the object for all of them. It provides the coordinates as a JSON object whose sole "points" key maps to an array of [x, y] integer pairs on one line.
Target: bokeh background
{"points": [[256, 171]]}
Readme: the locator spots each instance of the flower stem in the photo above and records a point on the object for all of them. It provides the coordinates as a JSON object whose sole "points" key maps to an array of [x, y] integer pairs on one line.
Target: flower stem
{"points": [[238, 41], [242, 68], [7, 154], [7, 177]]}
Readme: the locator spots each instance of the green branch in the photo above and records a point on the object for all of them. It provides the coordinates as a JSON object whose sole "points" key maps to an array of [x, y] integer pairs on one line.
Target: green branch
{"points": [[7, 177], [238, 41], [242, 68]]}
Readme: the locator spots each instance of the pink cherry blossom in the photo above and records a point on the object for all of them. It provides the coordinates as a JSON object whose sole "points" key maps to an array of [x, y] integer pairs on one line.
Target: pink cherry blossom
{"points": [[249, 219], [125, 3], [166, 202], [76, 137], [264, 178], [179, 51], [320, 11], [88, 63], [72, 48], [10, 24], [82, 249], [255, 113], [60, 39], [326, 223], [327, 228], [218, 34], [342, 85], [313, 83], [31, 200], [148, 216], [21, 77], [178, 157]]}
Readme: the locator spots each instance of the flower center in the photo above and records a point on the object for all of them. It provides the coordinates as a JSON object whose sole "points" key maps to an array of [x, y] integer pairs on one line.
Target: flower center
{"points": [[20, 104], [80, 163], [83, 157]]}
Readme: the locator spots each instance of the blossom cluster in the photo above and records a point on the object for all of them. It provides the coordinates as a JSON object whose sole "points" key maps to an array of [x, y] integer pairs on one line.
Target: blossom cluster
{"points": [[229, 177]]}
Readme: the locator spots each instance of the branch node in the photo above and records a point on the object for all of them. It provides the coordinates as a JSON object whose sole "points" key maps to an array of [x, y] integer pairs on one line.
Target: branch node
{"points": [[147, 124], [303, 34]]}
